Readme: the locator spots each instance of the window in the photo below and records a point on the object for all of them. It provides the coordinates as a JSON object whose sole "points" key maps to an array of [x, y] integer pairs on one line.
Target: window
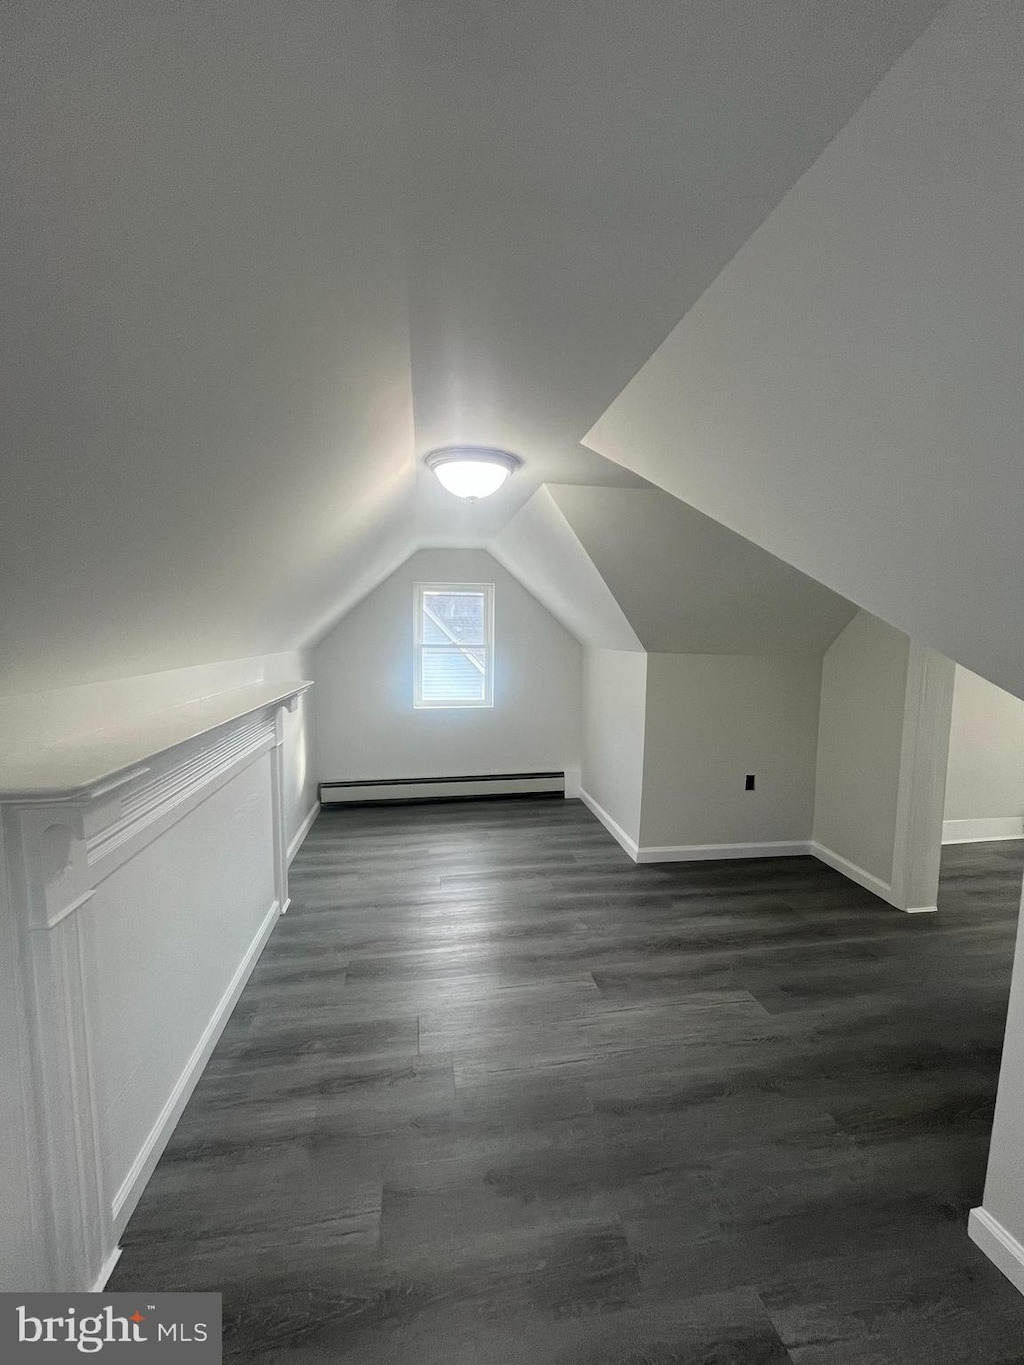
{"points": [[454, 644]]}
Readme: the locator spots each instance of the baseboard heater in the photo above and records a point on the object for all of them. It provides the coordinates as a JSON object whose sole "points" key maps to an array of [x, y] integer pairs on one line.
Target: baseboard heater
{"points": [[408, 789]]}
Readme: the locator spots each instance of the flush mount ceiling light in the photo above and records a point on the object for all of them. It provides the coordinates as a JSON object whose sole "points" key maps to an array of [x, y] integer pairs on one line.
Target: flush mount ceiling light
{"points": [[472, 472]]}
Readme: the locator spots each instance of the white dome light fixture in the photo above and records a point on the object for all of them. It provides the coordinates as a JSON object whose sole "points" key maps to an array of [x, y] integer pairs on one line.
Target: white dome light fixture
{"points": [[472, 472]]}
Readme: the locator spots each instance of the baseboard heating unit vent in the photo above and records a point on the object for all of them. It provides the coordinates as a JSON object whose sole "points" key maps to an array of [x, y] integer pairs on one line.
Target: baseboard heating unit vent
{"points": [[441, 788]]}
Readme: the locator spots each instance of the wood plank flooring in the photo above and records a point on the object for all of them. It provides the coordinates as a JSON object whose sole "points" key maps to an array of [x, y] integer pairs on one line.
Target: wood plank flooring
{"points": [[495, 1095]]}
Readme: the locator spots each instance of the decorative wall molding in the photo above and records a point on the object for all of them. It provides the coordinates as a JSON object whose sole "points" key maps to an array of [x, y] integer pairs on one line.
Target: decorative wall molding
{"points": [[612, 826], [171, 782], [981, 831], [77, 860], [300, 834], [998, 1244]]}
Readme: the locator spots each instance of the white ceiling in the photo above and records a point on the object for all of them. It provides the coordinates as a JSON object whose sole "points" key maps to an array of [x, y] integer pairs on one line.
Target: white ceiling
{"points": [[688, 585], [848, 392], [260, 259], [577, 172], [543, 551]]}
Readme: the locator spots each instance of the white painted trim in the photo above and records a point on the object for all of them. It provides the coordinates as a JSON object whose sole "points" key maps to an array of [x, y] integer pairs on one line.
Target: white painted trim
{"points": [[107, 1271], [70, 909], [612, 826], [686, 853], [980, 831], [97, 763], [856, 874], [999, 1245], [303, 830], [177, 784], [124, 1201]]}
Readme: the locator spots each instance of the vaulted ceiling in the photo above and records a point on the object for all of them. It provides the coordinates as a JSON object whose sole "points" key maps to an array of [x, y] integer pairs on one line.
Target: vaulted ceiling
{"points": [[260, 259], [849, 392], [688, 585]]}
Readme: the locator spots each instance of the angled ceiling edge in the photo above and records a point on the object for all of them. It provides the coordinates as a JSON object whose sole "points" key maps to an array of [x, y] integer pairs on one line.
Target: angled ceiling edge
{"points": [[541, 550]]}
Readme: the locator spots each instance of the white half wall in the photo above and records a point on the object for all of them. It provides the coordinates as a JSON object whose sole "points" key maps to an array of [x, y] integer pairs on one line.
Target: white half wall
{"points": [[40, 719], [186, 911], [614, 717], [366, 725], [711, 720], [985, 777], [137, 892]]}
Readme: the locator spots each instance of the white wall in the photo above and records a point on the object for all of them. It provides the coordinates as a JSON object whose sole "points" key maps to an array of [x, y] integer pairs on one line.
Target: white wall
{"points": [[985, 777], [614, 712], [860, 735], [366, 726], [711, 719]]}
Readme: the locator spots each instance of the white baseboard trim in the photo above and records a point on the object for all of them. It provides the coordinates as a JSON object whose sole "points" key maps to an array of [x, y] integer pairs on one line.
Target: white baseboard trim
{"points": [[612, 826], [999, 1245], [107, 1271], [124, 1201], [698, 853], [687, 853], [856, 874], [303, 830], [981, 831]]}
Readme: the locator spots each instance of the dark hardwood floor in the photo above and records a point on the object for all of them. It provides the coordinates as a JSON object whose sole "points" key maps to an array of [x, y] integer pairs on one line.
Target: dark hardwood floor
{"points": [[495, 1095]]}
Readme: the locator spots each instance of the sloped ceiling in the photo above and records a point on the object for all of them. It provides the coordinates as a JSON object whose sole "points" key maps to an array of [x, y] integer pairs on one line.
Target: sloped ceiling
{"points": [[577, 172], [208, 441], [261, 258], [542, 550], [848, 391], [689, 586]]}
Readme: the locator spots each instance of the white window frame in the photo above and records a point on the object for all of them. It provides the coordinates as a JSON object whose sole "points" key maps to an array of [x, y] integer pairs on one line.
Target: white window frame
{"points": [[488, 646]]}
